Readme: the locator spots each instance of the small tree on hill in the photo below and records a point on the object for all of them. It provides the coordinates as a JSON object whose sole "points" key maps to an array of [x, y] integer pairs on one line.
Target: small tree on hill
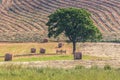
{"points": [[75, 23]]}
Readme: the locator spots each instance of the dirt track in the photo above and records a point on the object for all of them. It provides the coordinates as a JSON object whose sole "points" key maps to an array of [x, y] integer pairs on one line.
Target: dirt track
{"points": [[66, 63]]}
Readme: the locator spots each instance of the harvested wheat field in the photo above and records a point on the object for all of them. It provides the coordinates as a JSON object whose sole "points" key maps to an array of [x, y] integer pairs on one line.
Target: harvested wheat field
{"points": [[101, 49], [95, 49], [104, 53], [24, 48]]}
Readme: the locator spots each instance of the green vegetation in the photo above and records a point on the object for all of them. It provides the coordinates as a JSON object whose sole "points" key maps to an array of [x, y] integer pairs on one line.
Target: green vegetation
{"points": [[57, 57], [44, 58], [12, 72], [53, 57], [75, 23]]}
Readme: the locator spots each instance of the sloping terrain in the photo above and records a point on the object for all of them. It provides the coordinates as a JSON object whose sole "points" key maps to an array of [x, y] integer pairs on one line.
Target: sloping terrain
{"points": [[24, 20]]}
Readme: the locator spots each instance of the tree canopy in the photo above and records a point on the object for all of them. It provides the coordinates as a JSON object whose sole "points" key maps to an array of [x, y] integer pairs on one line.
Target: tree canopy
{"points": [[75, 23]]}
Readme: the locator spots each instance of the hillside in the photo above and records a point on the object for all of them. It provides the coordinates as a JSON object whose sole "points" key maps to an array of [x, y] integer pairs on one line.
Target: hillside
{"points": [[24, 20]]}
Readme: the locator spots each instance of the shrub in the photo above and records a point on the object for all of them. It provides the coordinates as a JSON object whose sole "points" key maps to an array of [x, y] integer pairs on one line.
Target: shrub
{"points": [[107, 67]]}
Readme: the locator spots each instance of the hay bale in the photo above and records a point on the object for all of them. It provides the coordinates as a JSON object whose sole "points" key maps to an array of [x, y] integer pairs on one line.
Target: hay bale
{"points": [[77, 56], [60, 45], [8, 57], [45, 40], [42, 50], [33, 50]]}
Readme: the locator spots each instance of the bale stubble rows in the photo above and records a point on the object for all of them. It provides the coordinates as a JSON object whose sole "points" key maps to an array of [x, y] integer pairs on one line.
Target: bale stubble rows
{"points": [[30, 16]]}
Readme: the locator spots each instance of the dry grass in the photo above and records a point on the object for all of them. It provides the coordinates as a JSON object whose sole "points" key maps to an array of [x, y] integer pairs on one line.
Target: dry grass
{"points": [[24, 48], [101, 49], [93, 49]]}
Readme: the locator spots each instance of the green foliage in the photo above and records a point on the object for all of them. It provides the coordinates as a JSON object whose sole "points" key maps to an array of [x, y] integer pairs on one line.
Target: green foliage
{"points": [[75, 23], [45, 58], [48, 58], [107, 67]]}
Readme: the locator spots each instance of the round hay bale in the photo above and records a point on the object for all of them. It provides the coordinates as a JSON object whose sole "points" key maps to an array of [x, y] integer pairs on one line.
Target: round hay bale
{"points": [[33, 50], [8, 57], [77, 56], [42, 50], [45, 40], [60, 45]]}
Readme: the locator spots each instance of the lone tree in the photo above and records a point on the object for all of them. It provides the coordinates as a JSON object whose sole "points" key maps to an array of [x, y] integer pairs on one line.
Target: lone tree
{"points": [[75, 23]]}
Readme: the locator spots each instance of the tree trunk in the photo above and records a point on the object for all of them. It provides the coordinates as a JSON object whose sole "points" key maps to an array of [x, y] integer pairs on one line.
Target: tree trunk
{"points": [[74, 47]]}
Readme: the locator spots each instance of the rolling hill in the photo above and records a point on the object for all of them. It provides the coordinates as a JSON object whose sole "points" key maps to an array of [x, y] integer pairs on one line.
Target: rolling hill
{"points": [[24, 20]]}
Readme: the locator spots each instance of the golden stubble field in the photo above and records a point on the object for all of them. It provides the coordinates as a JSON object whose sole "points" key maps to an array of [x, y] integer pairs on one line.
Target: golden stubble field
{"points": [[24, 48], [94, 49], [101, 50]]}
